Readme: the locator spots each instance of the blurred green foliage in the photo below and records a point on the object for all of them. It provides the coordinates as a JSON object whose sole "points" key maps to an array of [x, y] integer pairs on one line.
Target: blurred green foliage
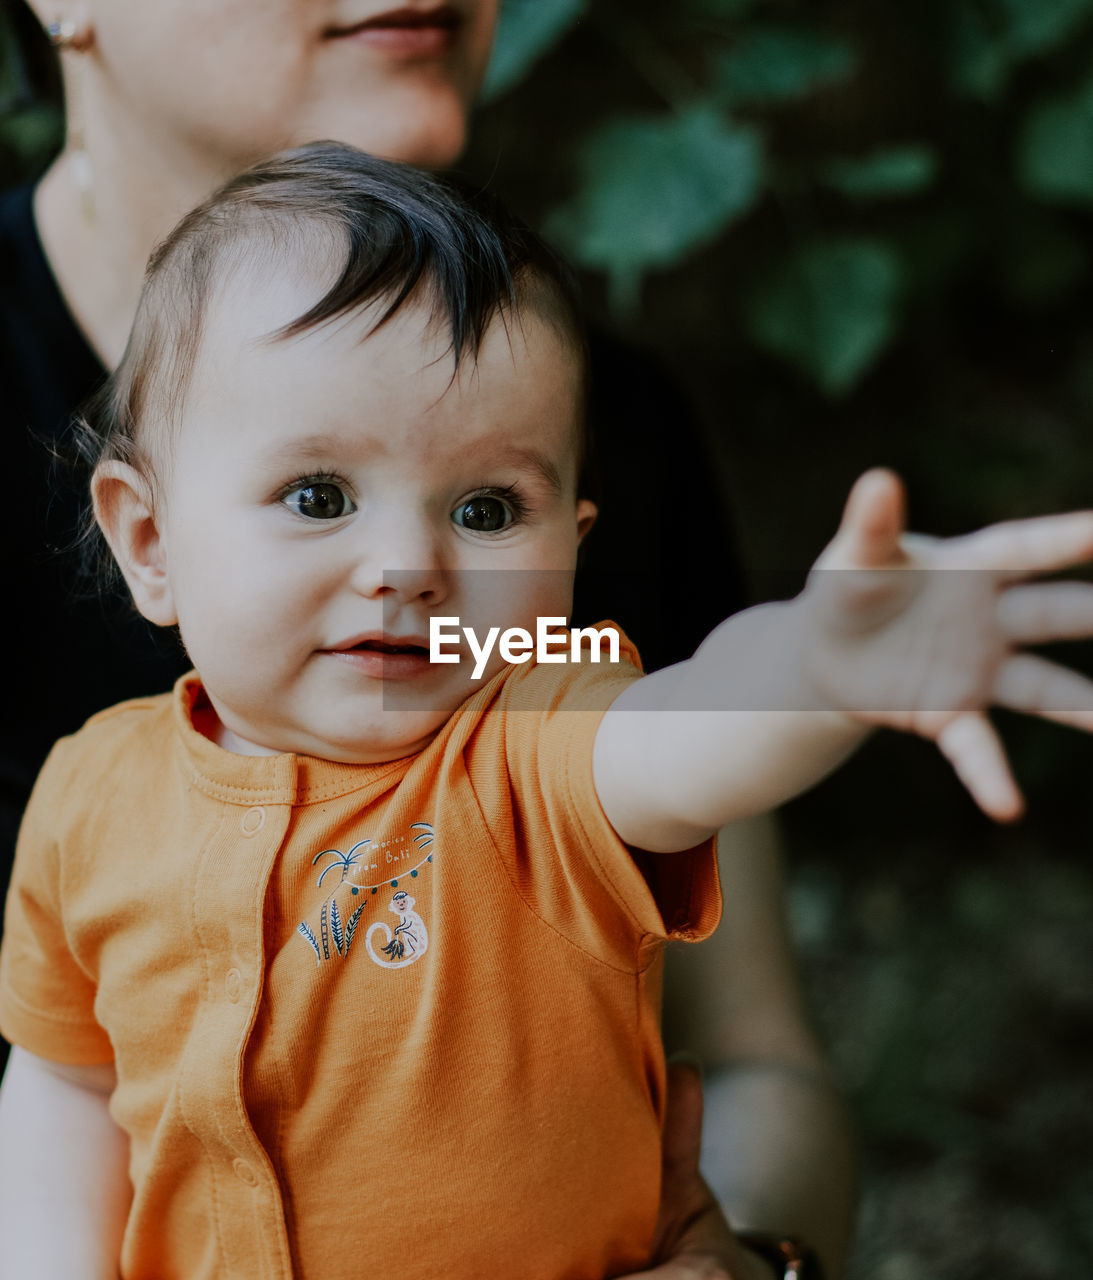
{"points": [[1055, 148], [654, 188], [683, 128], [528, 29], [957, 1007], [766, 65], [830, 307]]}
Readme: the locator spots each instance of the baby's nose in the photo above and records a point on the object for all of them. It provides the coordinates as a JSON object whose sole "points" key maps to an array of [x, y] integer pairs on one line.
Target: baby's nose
{"points": [[405, 561]]}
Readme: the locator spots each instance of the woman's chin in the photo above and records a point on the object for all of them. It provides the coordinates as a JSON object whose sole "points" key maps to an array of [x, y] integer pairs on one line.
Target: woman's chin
{"points": [[422, 121], [434, 141]]}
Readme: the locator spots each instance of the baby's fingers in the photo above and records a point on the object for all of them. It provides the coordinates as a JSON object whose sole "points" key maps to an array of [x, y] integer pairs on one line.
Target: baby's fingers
{"points": [[1038, 687], [975, 751], [872, 524], [1046, 611], [1019, 548]]}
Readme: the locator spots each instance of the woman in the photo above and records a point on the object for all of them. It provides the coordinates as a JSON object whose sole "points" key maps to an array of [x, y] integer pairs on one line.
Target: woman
{"points": [[166, 99]]}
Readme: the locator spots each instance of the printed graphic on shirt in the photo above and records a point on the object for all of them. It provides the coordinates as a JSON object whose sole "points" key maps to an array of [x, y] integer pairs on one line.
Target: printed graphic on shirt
{"points": [[339, 917], [410, 939]]}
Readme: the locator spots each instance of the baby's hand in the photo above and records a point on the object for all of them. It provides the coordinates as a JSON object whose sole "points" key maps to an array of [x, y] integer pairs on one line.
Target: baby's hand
{"points": [[924, 634]]}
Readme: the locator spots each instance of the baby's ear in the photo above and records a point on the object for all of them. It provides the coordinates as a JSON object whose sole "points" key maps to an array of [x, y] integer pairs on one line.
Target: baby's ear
{"points": [[125, 511], [587, 511]]}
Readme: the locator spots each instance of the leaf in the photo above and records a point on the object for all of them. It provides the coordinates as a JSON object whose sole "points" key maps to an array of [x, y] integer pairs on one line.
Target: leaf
{"points": [[306, 931], [351, 927], [988, 38], [777, 64], [892, 171], [336, 926], [979, 56], [1055, 149], [654, 188], [1038, 26], [830, 309], [526, 31]]}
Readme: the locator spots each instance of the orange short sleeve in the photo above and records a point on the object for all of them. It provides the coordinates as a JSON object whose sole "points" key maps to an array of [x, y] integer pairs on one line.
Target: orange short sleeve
{"points": [[47, 1000], [605, 896]]}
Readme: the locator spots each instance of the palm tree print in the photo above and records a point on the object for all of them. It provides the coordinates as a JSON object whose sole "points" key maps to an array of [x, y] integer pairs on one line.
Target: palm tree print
{"points": [[343, 860], [335, 934]]}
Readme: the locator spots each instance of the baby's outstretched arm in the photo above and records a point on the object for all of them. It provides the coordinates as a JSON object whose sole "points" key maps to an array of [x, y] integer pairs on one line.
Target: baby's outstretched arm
{"points": [[64, 1183], [913, 633]]}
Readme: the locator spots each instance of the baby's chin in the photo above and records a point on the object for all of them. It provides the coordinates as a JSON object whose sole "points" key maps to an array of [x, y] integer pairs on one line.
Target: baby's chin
{"points": [[405, 733], [229, 740]]}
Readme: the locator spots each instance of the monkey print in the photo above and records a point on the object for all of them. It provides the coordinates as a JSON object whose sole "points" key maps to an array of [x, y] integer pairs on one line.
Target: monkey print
{"points": [[409, 940]]}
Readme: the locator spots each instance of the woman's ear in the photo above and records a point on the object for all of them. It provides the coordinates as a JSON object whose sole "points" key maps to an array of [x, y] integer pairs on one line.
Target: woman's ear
{"points": [[125, 512], [67, 23], [587, 511]]}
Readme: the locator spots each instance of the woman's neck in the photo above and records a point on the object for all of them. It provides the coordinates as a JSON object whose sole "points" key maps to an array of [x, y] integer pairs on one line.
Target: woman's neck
{"points": [[97, 243]]}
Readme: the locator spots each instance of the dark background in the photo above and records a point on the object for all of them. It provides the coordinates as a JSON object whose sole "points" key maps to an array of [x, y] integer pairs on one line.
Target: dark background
{"points": [[861, 232]]}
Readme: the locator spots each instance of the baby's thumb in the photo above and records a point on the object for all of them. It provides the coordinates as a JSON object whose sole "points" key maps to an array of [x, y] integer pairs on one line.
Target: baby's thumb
{"points": [[874, 520]]}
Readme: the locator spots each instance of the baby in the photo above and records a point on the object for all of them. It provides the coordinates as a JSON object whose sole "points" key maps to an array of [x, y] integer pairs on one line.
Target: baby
{"points": [[340, 960]]}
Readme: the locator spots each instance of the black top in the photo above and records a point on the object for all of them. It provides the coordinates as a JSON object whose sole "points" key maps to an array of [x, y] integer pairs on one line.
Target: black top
{"points": [[68, 653], [659, 561]]}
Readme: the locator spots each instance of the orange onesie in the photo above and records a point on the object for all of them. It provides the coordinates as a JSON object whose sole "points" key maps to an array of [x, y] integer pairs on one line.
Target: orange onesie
{"points": [[394, 1019]]}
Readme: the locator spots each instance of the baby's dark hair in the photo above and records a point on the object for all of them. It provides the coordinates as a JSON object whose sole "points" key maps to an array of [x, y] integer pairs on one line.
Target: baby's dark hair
{"points": [[400, 232]]}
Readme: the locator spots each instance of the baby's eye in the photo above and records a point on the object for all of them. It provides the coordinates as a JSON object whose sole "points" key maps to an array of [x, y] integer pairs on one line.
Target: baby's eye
{"points": [[484, 514], [319, 500]]}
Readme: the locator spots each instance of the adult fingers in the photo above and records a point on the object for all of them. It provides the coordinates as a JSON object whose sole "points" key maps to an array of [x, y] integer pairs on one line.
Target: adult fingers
{"points": [[1025, 682], [682, 1140], [693, 1239], [691, 1268], [971, 745]]}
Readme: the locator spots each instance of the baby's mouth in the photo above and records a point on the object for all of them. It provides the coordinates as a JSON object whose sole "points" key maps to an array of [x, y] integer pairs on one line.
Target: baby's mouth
{"points": [[403, 658], [381, 646]]}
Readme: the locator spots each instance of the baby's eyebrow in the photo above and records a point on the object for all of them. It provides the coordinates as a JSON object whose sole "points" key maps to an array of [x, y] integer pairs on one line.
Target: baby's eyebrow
{"points": [[530, 459], [307, 448], [326, 445]]}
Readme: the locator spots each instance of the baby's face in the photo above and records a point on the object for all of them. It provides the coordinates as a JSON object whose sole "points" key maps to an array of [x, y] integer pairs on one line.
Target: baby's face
{"points": [[333, 491]]}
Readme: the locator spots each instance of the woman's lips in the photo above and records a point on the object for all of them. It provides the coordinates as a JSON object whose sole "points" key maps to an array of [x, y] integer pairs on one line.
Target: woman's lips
{"points": [[405, 32]]}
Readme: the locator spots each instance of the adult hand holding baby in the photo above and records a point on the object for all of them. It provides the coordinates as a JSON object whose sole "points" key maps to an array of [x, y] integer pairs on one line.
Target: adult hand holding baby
{"points": [[924, 634], [693, 1239]]}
